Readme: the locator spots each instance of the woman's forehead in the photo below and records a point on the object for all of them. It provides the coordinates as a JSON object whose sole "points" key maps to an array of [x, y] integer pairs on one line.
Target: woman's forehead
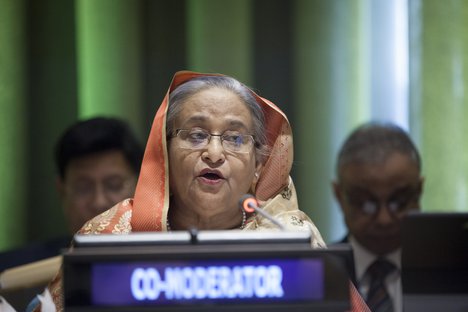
{"points": [[215, 104]]}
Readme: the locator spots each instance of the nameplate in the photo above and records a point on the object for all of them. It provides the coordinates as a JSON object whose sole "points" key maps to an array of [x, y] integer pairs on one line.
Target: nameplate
{"points": [[233, 271], [203, 281]]}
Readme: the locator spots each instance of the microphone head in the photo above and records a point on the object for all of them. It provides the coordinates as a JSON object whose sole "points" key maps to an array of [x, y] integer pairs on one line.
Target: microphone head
{"points": [[248, 203]]}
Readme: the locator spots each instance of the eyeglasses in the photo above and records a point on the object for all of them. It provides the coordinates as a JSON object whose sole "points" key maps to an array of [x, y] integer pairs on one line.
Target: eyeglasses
{"points": [[232, 141], [113, 188], [398, 205]]}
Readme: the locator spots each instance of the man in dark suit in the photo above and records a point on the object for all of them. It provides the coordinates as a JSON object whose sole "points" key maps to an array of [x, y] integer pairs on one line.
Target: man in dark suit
{"points": [[98, 161], [378, 182]]}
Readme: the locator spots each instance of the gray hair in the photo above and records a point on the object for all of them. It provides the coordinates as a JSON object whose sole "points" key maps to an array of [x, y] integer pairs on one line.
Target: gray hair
{"points": [[179, 95], [373, 142]]}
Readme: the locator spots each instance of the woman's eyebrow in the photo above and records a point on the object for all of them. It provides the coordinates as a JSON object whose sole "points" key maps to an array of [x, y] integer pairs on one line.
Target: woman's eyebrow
{"points": [[237, 123], [233, 122], [196, 118]]}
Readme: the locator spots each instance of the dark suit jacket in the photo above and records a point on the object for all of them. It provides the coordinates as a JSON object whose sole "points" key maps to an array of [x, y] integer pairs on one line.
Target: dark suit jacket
{"points": [[348, 261], [33, 252]]}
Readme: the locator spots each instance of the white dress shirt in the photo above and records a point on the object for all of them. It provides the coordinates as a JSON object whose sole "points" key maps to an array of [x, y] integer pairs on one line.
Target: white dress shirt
{"points": [[363, 258]]}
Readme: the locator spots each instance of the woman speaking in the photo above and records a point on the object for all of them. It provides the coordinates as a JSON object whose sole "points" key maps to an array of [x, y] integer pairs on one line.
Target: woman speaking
{"points": [[212, 141]]}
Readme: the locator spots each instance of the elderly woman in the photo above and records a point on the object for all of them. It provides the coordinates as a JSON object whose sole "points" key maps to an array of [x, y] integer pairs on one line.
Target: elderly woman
{"points": [[212, 141]]}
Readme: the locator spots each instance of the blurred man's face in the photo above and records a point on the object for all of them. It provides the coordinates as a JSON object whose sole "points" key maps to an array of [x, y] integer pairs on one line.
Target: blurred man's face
{"points": [[374, 199], [93, 184]]}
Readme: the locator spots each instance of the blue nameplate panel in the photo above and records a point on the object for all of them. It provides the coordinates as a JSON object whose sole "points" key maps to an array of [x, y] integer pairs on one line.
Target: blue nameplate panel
{"points": [[206, 281]]}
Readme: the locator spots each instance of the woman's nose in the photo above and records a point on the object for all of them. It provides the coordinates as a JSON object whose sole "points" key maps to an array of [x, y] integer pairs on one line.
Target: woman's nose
{"points": [[214, 150]]}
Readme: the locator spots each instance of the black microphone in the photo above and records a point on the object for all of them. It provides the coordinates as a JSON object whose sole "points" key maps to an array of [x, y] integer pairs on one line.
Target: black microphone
{"points": [[249, 204]]}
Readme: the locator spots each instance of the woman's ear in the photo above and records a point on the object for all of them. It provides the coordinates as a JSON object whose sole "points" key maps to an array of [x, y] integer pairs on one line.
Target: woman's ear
{"points": [[257, 174]]}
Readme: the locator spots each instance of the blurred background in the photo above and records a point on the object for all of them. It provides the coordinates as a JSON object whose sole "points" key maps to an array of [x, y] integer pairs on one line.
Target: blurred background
{"points": [[329, 64]]}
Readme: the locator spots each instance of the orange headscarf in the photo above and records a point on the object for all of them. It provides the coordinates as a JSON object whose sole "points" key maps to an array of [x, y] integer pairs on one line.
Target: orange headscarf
{"points": [[151, 201]]}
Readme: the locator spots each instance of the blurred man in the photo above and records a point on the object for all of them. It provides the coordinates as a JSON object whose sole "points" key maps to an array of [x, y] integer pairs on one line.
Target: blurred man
{"points": [[98, 161], [378, 182]]}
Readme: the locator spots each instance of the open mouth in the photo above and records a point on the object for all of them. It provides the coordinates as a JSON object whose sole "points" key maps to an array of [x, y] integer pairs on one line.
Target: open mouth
{"points": [[211, 176]]}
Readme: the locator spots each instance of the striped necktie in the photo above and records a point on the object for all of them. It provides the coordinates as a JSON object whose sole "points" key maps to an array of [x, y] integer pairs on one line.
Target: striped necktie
{"points": [[378, 299]]}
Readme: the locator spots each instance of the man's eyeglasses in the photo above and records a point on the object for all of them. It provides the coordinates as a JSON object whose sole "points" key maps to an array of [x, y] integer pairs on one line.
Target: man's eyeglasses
{"points": [[398, 205], [232, 141], [112, 188]]}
